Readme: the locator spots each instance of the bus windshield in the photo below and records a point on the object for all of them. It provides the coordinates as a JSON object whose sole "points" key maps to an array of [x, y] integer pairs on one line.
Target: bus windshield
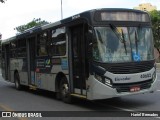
{"points": [[123, 44]]}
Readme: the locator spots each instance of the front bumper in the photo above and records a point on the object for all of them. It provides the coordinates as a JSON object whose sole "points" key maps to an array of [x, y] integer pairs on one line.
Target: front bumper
{"points": [[98, 90]]}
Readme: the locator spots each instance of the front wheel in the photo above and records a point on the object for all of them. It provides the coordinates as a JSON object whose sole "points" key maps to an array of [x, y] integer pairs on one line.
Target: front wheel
{"points": [[64, 91], [17, 82]]}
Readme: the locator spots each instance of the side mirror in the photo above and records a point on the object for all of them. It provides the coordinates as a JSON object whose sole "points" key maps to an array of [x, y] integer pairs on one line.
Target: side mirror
{"points": [[89, 46]]}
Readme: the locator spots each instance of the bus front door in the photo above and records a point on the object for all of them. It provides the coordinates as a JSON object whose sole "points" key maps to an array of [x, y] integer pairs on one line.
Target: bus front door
{"points": [[78, 59]]}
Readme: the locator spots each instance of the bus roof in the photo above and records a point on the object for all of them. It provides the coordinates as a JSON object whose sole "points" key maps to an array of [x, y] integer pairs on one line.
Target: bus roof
{"points": [[66, 20]]}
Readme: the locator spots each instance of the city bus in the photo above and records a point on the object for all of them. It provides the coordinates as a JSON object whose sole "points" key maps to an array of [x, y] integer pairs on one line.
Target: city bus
{"points": [[97, 54]]}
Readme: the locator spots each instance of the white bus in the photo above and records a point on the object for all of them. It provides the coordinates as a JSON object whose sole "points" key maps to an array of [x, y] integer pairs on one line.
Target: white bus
{"points": [[97, 54]]}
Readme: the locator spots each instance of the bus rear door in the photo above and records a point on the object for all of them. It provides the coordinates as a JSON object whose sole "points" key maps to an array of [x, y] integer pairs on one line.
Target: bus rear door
{"points": [[31, 60], [6, 61]]}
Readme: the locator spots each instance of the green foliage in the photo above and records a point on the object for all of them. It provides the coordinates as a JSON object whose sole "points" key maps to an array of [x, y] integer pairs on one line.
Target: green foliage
{"points": [[155, 17], [33, 23], [2, 1]]}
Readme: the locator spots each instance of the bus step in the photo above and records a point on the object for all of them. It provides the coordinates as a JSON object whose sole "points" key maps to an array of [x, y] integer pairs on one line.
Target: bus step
{"points": [[79, 96], [32, 87]]}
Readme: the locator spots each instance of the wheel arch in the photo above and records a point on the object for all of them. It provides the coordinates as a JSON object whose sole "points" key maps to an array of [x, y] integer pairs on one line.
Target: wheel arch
{"points": [[58, 79]]}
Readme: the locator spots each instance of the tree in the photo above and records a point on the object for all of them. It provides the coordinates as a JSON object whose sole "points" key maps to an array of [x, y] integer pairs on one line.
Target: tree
{"points": [[2, 1], [33, 23], [155, 18]]}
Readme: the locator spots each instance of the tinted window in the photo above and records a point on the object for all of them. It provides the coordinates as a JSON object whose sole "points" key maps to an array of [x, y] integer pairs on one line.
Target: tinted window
{"points": [[58, 42], [13, 47], [42, 44], [21, 50]]}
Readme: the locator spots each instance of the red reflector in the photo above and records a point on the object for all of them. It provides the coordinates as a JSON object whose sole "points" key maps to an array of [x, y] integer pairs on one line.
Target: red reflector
{"points": [[135, 89], [37, 69]]}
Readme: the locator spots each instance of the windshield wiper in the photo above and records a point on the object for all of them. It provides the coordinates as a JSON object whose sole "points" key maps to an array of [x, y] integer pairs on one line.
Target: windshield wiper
{"points": [[115, 30], [119, 35], [124, 42], [136, 42]]}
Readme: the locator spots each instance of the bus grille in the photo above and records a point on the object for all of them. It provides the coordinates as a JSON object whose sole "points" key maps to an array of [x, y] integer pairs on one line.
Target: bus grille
{"points": [[129, 68], [126, 87]]}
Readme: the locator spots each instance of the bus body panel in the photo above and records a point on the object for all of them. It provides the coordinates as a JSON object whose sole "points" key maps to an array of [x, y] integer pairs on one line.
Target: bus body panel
{"points": [[23, 77], [98, 90], [19, 65], [130, 78], [58, 68]]}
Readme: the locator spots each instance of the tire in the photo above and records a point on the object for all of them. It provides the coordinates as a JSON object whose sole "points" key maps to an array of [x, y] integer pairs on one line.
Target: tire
{"points": [[17, 81], [64, 91]]}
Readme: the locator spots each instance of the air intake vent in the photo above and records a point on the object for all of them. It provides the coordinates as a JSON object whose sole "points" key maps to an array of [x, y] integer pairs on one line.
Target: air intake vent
{"points": [[128, 68]]}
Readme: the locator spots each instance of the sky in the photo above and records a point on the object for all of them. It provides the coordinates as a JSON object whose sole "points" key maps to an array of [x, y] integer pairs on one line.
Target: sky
{"points": [[19, 12]]}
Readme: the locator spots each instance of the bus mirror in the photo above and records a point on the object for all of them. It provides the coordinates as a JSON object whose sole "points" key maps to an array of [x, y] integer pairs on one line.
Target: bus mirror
{"points": [[89, 50]]}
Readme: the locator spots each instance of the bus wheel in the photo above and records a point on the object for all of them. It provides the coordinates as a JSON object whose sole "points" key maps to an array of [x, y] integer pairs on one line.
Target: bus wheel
{"points": [[17, 81], [64, 91]]}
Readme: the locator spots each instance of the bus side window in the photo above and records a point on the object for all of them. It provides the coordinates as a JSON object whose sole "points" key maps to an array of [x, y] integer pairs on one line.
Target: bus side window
{"points": [[58, 42], [42, 44], [21, 51], [13, 46]]}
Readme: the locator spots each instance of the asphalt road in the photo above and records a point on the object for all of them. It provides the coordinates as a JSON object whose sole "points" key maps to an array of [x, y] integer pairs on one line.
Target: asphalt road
{"points": [[29, 100]]}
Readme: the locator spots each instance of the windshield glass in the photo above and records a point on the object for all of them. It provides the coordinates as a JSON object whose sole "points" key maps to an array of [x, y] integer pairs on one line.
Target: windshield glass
{"points": [[123, 44]]}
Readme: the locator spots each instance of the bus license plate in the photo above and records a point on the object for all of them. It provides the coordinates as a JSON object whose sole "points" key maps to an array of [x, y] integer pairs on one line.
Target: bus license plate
{"points": [[135, 89]]}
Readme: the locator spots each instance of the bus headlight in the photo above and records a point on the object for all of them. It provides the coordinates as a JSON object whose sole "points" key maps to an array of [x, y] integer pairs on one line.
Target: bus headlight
{"points": [[108, 82], [103, 80], [98, 77], [154, 76]]}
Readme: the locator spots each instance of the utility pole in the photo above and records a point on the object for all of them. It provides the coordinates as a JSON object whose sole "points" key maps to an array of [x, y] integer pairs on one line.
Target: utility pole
{"points": [[61, 10]]}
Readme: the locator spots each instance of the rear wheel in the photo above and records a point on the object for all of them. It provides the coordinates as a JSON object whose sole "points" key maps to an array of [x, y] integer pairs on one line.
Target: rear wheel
{"points": [[17, 81], [64, 91]]}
